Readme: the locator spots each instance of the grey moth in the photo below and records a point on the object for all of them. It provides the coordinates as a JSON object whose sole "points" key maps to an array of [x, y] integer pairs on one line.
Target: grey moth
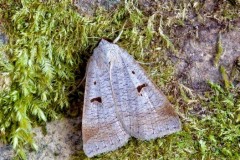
{"points": [[120, 102]]}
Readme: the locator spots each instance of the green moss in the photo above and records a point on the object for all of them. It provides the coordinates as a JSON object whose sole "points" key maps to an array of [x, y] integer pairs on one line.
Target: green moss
{"points": [[235, 71], [227, 83], [41, 58], [219, 49]]}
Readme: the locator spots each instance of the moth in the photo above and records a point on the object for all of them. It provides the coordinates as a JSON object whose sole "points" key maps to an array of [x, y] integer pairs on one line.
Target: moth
{"points": [[121, 101]]}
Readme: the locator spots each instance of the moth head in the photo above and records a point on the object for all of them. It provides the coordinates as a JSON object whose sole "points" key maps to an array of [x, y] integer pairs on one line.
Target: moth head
{"points": [[108, 51]]}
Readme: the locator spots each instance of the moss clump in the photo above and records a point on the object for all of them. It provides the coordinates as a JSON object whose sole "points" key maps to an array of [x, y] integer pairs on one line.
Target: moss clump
{"points": [[219, 49], [225, 77], [41, 60], [235, 71]]}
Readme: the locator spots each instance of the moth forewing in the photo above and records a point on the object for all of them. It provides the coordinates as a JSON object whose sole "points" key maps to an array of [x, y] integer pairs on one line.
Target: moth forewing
{"points": [[102, 132], [143, 108]]}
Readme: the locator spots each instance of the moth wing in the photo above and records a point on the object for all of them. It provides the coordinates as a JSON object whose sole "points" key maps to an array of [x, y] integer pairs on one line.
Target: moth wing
{"points": [[101, 129], [142, 108]]}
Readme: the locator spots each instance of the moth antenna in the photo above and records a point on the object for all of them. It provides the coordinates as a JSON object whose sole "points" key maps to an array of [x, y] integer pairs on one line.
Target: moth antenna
{"points": [[78, 85], [119, 35]]}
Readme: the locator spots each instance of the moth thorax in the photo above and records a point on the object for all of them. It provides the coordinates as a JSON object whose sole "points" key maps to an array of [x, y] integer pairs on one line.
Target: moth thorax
{"points": [[111, 56]]}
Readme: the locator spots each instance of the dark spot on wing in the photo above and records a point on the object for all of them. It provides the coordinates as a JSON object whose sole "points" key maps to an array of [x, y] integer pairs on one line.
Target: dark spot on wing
{"points": [[98, 99], [95, 82], [140, 87], [133, 72]]}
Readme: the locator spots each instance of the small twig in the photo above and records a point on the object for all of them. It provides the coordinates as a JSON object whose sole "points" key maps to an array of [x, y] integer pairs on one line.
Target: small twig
{"points": [[78, 85], [94, 37], [147, 63], [118, 37]]}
